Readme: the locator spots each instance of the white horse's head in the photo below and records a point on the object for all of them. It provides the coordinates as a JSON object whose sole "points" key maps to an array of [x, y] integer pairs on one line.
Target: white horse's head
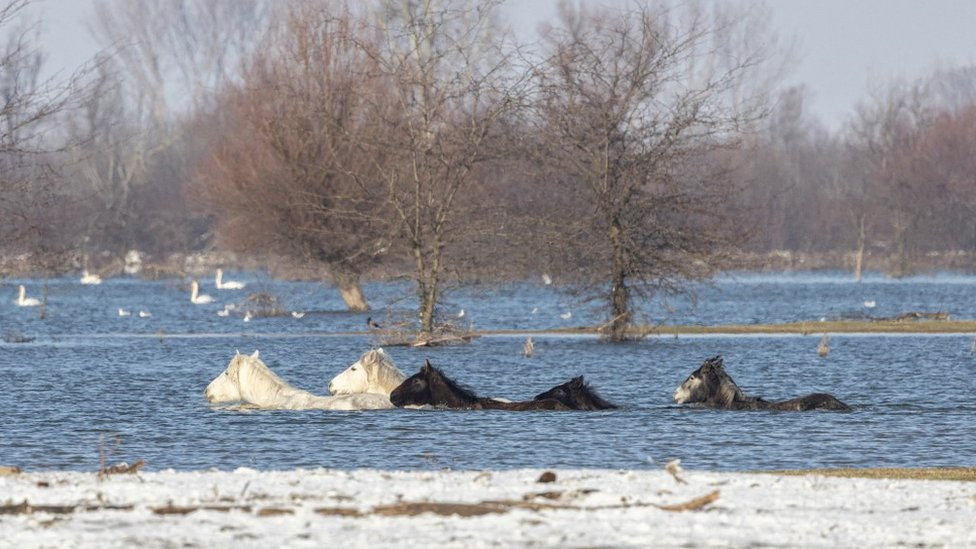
{"points": [[246, 379], [374, 372]]}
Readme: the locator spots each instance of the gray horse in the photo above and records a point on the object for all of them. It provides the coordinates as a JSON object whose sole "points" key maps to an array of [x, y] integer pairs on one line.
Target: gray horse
{"points": [[712, 387]]}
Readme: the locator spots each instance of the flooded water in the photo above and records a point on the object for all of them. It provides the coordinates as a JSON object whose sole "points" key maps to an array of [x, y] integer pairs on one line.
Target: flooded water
{"points": [[84, 378]]}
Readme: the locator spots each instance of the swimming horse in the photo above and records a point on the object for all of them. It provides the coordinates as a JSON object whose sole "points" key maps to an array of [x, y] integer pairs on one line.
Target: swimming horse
{"points": [[431, 387], [374, 372], [712, 387], [247, 379], [577, 395]]}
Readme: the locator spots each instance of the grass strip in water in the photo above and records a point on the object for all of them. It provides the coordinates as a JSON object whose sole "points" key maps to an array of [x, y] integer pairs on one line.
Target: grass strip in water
{"points": [[829, 326], [911, 473]]}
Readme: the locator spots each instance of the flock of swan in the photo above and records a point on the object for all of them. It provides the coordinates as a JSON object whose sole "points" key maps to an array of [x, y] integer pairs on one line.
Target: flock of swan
{"points": [[196, 297]]}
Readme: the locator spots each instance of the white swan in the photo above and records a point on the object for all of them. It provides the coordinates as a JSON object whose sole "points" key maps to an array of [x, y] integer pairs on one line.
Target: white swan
{"points": [[195, 295], [144, 314], [124, 312], [229, 285], [24, 301], [90, 278]]}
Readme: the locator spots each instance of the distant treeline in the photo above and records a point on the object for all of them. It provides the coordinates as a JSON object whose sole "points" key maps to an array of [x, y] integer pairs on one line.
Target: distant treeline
{"points": [[621, 151]]}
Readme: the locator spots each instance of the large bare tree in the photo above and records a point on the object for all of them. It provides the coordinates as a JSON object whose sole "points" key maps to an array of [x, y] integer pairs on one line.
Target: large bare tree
{"points": [[630, 104], [289, 173]]}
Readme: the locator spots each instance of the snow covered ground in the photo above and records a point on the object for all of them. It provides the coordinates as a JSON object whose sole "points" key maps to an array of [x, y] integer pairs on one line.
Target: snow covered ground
{"points": [[371, 508]]}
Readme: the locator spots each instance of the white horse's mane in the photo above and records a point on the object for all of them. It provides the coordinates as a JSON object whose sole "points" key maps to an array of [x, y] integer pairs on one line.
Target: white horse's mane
{"points": [[381, 372]]}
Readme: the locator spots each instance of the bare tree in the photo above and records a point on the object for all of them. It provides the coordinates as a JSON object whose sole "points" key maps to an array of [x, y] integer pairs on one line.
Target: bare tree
{"points": [[289, 173], [883, 134], [161, 60], [28, 107], [630, 105], [452, 83]]}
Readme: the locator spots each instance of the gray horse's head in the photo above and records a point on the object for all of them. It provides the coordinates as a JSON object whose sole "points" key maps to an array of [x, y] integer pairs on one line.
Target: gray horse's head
{"points": [[709, 383]]}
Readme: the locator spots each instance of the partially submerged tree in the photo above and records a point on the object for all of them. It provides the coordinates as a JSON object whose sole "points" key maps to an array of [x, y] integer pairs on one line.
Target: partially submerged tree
{"points": [[630, 104], [289, 173], [452, 82]]}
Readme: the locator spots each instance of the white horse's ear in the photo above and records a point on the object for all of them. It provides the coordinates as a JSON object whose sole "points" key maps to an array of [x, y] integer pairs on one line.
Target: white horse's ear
{"points": [[237, 352], [254, 354]]}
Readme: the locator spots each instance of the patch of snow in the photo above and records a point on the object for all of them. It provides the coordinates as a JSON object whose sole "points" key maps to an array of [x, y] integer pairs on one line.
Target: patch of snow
{"points": [[301, 508]]}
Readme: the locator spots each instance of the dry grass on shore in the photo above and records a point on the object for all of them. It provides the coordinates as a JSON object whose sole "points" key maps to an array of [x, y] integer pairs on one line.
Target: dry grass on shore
{"points": [[910, 473]]}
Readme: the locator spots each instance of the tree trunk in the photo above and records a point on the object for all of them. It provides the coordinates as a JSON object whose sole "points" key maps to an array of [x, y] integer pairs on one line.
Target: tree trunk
{"points": [[859, 255], [428, 301], [351, 292], [426, 291], [619, 293], [902, 247]]}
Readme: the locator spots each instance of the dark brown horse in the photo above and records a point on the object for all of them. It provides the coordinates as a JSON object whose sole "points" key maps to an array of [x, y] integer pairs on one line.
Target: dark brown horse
{"points": [[577, 395], [431, 387], [712, 387]]}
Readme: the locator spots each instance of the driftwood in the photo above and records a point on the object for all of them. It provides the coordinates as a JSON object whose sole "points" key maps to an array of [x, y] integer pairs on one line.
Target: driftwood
{"points": [[400, 509], [918, 315], [122, 468], [25, 508]]}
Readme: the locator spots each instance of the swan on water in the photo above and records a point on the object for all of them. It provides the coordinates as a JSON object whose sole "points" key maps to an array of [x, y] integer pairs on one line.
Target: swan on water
{"points": [[124, 312], [229, 285], [144, 314], [25, 301], [90, 278], [195, 295]]}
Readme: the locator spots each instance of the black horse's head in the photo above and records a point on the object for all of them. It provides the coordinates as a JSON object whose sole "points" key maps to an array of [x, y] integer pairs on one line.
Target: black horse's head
{"points": [[577, 395], [430, 387], [709, 383]]}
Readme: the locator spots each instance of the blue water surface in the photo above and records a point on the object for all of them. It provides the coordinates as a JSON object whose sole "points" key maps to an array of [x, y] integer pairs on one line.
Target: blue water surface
{"points": [[82, 379]]}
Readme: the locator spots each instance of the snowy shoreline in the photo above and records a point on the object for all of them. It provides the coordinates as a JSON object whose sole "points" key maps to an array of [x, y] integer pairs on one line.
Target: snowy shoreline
{"points": [[370, 508]]}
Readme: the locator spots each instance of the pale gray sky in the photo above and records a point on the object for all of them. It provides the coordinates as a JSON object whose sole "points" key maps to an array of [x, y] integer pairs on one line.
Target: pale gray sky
{"points": [[844, 46]]}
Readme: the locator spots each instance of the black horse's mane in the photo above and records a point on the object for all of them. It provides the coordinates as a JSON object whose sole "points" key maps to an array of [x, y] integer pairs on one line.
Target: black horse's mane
{"points": [[595, 395], [457, 388], [590, 391]]}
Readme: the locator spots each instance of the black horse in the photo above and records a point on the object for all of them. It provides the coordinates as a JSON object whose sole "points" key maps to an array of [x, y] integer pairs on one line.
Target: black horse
{"points": [[712, 387], [431, 387], [577, 395]]}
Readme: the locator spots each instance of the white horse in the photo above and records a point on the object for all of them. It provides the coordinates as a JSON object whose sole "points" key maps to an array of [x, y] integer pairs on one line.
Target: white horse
{"points": [[249, 380], [374, 372]]}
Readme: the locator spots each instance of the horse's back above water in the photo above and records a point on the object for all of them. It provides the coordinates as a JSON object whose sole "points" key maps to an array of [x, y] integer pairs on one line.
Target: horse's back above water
{"points": [[576, 394], [815, 401]]}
